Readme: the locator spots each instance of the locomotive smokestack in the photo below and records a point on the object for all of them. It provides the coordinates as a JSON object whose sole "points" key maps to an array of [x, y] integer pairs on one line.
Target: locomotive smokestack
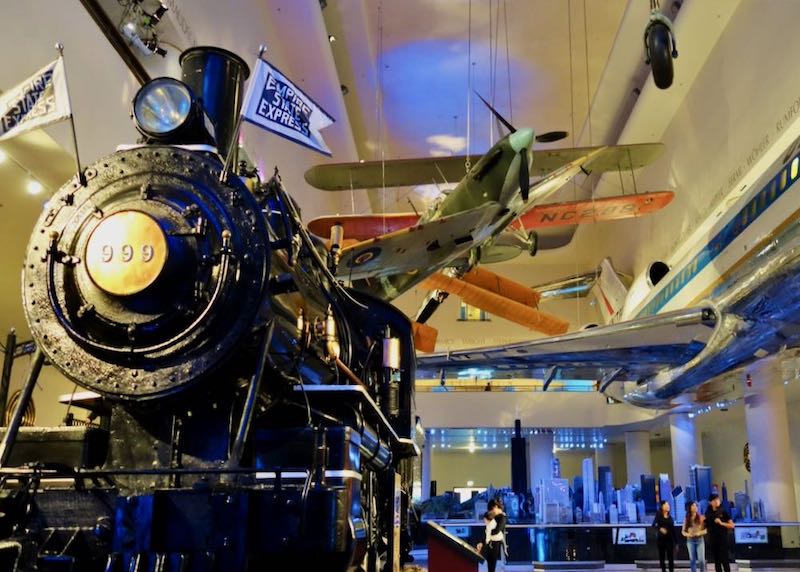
{"points": [[217, 77]]}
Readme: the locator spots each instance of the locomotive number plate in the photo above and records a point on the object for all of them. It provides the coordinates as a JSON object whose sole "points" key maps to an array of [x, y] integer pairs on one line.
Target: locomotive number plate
{"points": [[126, 253]]}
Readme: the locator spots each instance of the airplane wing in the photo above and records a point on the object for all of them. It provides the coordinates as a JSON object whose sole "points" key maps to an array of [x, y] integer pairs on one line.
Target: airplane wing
{"points": [[418, 247], [594, 210], [409, 172], [626, 351], [363, 227]]}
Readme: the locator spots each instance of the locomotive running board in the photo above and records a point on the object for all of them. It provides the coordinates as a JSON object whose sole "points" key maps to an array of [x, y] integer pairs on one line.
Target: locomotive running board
{"points": [[353, 394]]}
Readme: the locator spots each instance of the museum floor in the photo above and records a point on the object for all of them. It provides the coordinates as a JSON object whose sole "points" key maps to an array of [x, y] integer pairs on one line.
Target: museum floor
{"points": [[421, 564]]}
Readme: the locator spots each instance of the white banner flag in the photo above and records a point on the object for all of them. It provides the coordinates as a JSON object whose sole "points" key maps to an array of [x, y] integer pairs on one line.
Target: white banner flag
{"points": [[276, 104], [38, 101]]}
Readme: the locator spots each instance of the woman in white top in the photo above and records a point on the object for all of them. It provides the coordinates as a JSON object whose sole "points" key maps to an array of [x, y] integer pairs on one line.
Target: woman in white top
{"points": [[495, 536], [694, 530]]}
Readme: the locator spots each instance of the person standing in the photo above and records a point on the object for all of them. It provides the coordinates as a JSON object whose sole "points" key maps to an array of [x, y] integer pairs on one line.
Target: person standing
{"points": [[694, 530], [718, 523], [665, 536], [495, 537]]}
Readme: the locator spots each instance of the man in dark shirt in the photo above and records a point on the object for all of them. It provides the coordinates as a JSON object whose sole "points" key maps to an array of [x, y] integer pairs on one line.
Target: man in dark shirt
{"points": [[718, 522]]}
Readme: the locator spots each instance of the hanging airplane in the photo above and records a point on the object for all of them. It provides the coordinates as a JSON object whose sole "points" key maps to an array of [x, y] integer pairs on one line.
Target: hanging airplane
{"points": [[483, 219], [728, 295]]}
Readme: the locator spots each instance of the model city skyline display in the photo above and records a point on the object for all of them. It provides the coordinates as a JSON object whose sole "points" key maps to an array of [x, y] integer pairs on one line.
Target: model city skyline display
{"points": [[554, 501]]}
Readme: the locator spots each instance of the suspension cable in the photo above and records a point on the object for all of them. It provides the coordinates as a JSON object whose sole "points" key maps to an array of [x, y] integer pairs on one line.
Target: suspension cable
{"points": [[508, 64], [381, 137], [467, 164]]}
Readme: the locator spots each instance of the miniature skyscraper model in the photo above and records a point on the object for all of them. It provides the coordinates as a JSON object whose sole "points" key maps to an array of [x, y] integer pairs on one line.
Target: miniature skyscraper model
{"points": [[588, 487]]}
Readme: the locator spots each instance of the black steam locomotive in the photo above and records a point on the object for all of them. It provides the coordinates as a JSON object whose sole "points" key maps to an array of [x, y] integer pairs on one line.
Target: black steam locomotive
{"points": [[250, 412]]}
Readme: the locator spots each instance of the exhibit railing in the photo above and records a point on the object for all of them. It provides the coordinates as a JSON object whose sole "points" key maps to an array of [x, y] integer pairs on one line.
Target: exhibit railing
{"points": [[627, 543]]}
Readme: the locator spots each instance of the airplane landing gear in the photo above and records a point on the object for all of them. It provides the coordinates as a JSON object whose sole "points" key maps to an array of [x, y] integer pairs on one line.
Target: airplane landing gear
{"points": [[474, 256], [533, 242], [659, 45]]}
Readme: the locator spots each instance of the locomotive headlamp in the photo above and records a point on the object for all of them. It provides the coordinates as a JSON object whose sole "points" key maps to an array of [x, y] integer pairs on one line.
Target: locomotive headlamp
{"points": [[163, 107]]}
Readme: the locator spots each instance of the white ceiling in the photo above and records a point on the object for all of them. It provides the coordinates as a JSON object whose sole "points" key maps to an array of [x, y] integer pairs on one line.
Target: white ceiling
{"points": [[407, 69]]}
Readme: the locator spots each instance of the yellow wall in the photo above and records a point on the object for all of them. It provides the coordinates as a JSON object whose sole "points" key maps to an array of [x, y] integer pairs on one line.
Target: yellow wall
{"points": [[451, 470], [619, 468], [572, 463], [661, 458], [454, 469]]}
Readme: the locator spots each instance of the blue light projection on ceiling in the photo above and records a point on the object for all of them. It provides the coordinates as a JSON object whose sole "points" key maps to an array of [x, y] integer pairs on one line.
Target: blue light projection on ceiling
{"points": [[425, 91]]}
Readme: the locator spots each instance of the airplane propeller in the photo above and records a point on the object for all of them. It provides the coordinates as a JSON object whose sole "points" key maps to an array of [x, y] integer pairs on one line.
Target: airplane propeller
{"points": [[549, 137], [524, 178], [497, 115]]}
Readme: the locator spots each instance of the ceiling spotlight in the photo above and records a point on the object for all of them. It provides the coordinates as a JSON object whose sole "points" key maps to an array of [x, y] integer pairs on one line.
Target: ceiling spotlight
{"points": [[155, 17], [154, 47], [34, 187], [146, 47], [331, 38]]}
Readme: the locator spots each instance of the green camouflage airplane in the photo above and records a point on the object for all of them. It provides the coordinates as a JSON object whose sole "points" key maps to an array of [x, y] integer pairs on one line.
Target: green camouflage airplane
{"points": [[395, 252]]}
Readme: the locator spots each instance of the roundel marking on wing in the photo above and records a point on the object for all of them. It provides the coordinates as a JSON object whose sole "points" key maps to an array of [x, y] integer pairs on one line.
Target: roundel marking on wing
{"points": [[364, 256]]}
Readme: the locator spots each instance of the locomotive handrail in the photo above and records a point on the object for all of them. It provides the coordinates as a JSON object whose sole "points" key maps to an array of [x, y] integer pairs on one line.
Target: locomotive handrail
{"points": [[406, 445], [309, 244], [235, 456], [80, 472]]}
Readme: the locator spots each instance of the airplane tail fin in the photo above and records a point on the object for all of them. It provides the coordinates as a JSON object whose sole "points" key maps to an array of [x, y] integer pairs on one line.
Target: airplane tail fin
{"points": [[609, 291]]}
